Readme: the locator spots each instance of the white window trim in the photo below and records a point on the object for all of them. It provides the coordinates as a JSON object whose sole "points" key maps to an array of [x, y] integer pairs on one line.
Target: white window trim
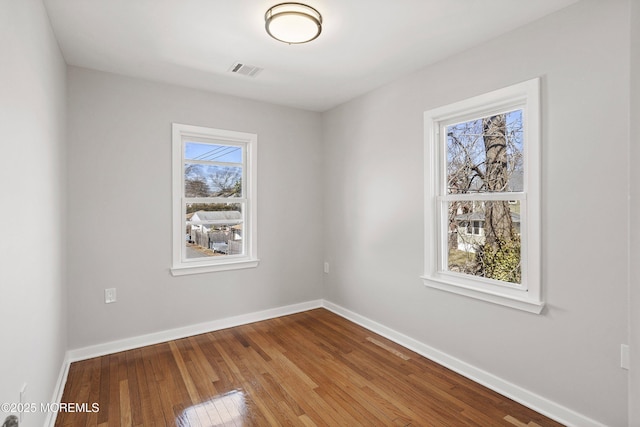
{"points": [[528, 295], [249, 259]]}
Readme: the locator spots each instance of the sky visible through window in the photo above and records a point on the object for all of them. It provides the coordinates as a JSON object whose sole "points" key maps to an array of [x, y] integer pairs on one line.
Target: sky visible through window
{"points": [[466, 155], [215, 179], [213, 152]]}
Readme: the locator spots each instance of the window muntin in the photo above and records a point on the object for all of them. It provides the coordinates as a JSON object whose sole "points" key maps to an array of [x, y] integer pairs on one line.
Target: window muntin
{"points": [[214, 200], [482, 197]]}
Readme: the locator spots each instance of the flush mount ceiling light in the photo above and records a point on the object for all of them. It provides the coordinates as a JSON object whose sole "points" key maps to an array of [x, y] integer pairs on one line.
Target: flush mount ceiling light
{"points": [[293, 23]]}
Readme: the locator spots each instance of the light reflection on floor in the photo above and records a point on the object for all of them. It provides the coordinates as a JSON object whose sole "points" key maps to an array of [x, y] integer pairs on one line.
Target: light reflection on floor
{"points": [[227, 409]]}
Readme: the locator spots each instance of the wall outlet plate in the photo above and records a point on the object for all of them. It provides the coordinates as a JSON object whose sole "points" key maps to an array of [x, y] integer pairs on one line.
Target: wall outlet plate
{"points": [[109, 295]]}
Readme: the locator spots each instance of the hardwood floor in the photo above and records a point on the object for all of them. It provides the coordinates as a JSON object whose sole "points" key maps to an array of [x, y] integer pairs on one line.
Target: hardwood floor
{"points": [[308, 369]]}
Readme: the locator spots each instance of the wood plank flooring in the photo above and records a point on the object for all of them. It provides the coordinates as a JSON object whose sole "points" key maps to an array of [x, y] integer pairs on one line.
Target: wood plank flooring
{"points": [[308, 369]]}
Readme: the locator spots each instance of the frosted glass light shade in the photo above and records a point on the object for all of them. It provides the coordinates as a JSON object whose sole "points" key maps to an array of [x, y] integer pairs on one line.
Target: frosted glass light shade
{"points": [[293, 23]]}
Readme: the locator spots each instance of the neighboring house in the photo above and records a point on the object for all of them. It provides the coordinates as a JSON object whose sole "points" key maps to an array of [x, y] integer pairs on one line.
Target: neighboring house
{"points": [[205, 221], [216, 230], [470, 229]]}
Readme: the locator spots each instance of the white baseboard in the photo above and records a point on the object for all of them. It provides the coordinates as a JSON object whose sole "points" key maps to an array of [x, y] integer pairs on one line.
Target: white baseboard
{"points": [[50, 420], [536, 402], [531, 400], [187, 331]]}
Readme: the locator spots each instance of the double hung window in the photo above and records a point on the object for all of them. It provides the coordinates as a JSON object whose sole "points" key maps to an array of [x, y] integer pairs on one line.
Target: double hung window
{"points": [[482, 183], [214, 206]]}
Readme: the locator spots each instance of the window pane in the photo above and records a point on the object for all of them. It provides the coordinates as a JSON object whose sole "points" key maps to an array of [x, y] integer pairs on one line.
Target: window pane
{"points": [[212, 152], [483, 239], [485, 155], [212, 180], [213, 229]]}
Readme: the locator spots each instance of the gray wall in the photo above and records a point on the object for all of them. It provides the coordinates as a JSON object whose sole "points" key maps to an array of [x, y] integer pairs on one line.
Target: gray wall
{"points": [[374, 210], [32, 125], [634, 158], [120, 208], [365, 157]]}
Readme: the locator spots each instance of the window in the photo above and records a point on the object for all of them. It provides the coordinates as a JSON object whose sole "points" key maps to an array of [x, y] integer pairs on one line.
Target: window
{"points": [[474, 227], [482, 204], [214, 205]]}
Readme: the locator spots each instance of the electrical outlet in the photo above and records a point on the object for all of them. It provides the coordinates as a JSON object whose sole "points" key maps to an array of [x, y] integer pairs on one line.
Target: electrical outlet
{"points": [[326, 267], [109, 295]]}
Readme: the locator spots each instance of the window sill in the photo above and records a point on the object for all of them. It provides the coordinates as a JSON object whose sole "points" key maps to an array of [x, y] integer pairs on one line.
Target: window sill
{"points": [[212, 268], [520, 302]]}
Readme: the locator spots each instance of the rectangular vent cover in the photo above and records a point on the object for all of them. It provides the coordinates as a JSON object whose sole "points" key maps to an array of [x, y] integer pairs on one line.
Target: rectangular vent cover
{"points": [[245, 69]]}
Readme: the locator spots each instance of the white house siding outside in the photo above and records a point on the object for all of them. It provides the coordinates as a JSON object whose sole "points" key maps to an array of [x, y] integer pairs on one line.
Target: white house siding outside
{"points": [[219, 231]]}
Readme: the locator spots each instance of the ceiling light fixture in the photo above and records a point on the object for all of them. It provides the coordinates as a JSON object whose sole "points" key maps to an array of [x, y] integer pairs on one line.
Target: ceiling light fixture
{"points": [[293, 23]]}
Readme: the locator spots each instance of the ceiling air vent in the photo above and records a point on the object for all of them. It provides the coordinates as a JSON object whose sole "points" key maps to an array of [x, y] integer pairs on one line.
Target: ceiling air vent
{"points": [[245, 69]]}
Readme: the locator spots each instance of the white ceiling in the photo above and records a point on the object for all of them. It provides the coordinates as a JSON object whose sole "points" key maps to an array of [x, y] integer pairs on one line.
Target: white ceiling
{"points": [[364, 43]]}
